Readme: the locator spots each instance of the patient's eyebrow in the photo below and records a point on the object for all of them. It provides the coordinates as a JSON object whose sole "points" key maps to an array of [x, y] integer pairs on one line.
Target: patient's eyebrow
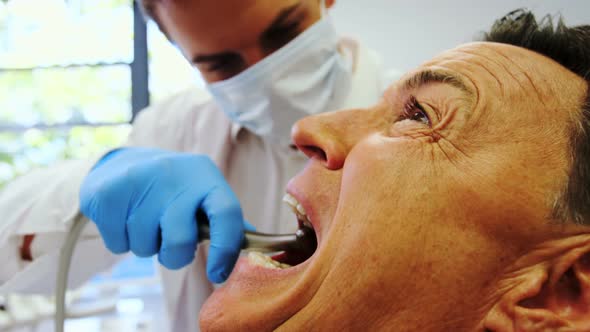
{"points": [[434, 76]]}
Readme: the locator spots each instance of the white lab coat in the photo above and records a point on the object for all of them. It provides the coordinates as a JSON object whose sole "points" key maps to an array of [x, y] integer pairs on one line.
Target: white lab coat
{"points": [[45, 202]]}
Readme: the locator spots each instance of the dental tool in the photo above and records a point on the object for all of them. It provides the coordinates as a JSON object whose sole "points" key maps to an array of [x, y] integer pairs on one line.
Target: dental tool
{"points": [[304, 240]]}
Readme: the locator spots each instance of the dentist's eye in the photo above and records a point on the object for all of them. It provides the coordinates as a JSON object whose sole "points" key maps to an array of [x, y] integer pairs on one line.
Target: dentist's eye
{"points": [[225, 64], [279, 36], [415, 112]]}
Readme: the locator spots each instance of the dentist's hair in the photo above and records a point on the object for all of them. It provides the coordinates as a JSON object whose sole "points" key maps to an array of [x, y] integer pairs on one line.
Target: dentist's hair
{"points": [[148, 9], [570, 47]]}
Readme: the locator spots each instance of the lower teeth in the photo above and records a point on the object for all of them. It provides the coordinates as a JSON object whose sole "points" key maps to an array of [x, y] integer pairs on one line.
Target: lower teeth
{"points": [[257, 258]]}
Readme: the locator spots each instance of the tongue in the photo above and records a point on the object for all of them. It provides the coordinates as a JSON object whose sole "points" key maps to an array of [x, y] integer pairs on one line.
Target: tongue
{"points": [[300, 251], [292, 258]]}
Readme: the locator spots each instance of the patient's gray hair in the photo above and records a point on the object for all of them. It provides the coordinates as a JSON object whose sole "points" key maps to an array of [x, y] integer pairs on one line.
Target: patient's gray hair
{"points": [[569, 46]]}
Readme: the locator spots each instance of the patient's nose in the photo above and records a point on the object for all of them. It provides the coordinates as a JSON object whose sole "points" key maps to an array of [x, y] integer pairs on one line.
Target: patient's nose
{"points": [[322, 137]]}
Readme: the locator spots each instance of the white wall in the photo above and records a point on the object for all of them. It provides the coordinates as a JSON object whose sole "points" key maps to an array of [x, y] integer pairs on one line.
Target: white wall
{"points": [[407, 33]]}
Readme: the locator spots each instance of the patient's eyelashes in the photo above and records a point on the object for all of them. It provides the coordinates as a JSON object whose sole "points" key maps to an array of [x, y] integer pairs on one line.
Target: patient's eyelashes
{"points": [[415, 112]]}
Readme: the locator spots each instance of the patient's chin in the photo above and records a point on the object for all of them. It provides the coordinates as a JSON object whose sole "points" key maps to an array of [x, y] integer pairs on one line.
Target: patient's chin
{"points": [[218, 315], [224, 312]]}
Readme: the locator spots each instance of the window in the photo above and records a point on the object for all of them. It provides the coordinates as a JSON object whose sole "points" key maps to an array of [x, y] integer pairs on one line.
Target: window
{"points": [[71, 78], [74, 74]]}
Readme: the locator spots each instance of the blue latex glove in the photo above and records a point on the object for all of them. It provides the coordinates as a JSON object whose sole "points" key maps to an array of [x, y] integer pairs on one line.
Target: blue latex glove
{"points": [[145, 200]]}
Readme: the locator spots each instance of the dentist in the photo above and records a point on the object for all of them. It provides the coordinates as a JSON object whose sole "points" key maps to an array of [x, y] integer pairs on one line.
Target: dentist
{"points": [[267, 64]]}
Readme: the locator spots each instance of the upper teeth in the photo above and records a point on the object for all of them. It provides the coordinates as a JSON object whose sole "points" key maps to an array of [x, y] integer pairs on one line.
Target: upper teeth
{"points": [[297, 209]]}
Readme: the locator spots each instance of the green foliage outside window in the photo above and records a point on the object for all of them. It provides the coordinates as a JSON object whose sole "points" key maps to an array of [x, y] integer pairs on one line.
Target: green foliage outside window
{"points": [[24, 151], [62, 63], [38, 35]]}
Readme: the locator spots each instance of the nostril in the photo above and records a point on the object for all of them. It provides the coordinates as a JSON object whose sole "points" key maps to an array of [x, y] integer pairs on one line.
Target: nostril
{"points": [[314, 152]]}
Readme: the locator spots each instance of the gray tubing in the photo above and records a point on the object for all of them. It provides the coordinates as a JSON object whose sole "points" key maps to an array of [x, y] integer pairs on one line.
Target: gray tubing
{"points": [[65, 258]]}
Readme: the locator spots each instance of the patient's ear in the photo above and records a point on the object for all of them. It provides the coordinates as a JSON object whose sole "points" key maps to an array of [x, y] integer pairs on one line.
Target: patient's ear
{"points": [[553, 296]]}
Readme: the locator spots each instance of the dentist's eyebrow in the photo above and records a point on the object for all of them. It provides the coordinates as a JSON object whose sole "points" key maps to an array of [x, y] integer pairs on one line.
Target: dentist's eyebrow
{"points": [[434, 76], [281, 18]]}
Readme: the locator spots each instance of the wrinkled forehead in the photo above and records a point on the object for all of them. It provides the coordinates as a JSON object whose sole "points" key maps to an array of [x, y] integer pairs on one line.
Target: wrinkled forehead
{"points": [[512, 73], [505, 86]]}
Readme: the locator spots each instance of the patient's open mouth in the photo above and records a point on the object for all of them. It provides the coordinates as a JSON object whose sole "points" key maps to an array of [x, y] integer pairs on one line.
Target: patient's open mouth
{"points": [[297, 253]]}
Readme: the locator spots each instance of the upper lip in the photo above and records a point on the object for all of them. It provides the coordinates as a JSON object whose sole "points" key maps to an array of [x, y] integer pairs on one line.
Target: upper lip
{"points": [[309, 210]]}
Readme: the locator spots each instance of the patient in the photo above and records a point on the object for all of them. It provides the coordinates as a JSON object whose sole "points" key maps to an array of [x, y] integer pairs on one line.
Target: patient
{"points": [[461, 202]]}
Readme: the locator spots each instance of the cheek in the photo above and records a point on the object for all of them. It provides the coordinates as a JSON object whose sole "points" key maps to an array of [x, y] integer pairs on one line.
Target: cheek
{"points": [[404, 254], [209, 77], [383, 172], [312, 9], [406, 236], [386, 198]]}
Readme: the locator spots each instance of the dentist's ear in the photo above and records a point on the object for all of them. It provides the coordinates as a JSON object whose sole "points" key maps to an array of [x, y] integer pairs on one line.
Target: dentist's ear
{"points": [[551, 296]]}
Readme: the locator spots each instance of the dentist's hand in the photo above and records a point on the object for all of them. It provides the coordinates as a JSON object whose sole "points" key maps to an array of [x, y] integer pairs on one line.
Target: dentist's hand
{"points": [[145, 200]]}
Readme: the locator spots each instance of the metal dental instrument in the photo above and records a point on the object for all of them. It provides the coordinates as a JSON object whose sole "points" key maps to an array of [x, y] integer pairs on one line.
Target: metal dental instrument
{"points": [[65, 258], [303, 240]]}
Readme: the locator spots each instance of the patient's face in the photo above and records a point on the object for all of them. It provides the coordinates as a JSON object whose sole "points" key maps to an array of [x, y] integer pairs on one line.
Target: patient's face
{"points": [[420, 201]]}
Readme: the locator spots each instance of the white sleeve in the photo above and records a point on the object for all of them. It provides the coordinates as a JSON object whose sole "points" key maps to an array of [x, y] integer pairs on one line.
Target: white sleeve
{"points": [[44, 202]]}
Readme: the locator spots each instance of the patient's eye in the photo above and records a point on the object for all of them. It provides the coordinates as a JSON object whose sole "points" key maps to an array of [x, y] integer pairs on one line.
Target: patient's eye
{"points": [[415, 112]]}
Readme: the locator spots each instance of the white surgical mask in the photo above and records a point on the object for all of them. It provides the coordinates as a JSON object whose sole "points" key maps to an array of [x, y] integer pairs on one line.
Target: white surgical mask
{"points": [[306, 76]]}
